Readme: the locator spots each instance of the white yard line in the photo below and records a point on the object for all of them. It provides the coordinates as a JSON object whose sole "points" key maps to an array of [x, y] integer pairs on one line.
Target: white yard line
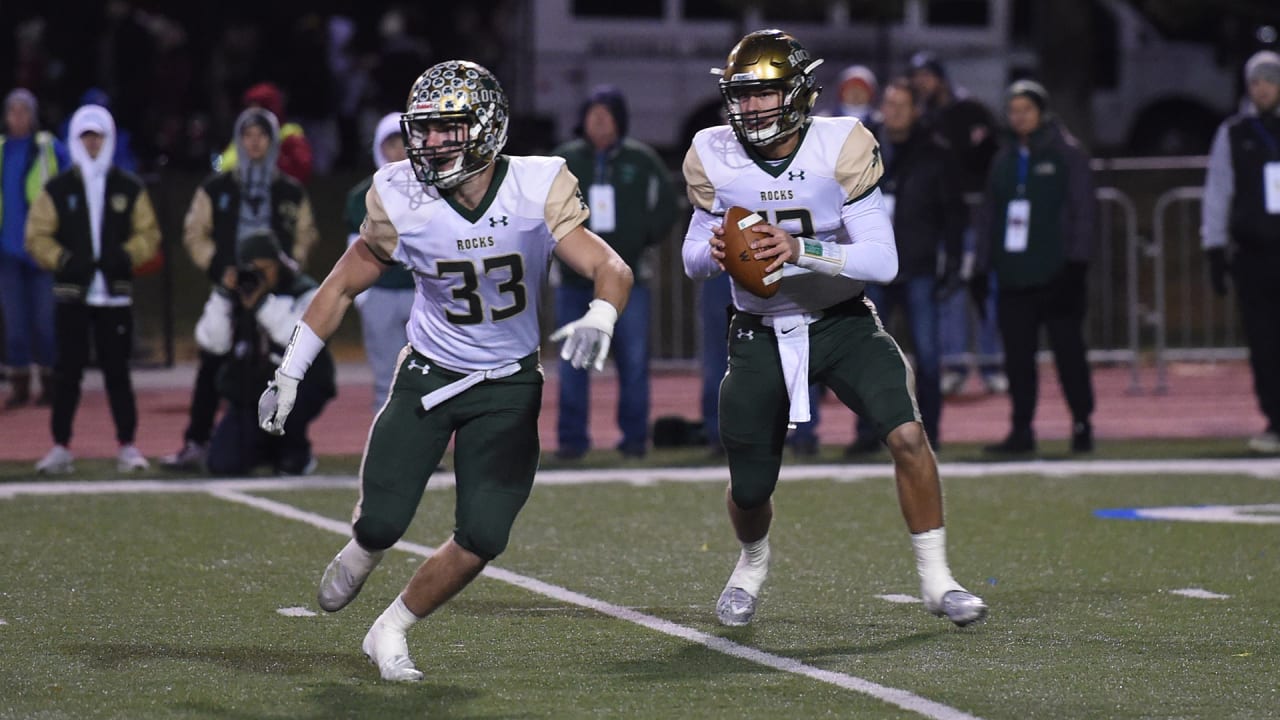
{"points": [[893, 696]]}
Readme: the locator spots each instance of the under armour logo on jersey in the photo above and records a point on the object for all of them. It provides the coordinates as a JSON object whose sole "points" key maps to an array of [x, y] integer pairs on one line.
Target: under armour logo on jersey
{"points": [[495, 222], [746, 334], [796, 175], [413, 365]]}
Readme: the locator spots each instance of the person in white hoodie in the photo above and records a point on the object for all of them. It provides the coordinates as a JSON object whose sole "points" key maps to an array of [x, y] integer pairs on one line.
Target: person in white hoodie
{"points": [[91, 226], [385, 307]]}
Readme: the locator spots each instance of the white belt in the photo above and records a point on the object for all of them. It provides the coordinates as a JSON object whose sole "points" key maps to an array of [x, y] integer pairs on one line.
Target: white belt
{"points": [[439, 395], [792, 332]]}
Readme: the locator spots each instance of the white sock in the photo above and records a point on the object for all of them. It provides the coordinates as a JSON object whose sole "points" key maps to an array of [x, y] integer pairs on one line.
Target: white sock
{"points": [[753, 566], [398, 615], [358, 561], [931, 564]]}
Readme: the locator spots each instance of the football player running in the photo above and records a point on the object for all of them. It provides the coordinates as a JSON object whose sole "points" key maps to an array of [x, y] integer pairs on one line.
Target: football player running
{"points": [[477, 229], [814, 181]]}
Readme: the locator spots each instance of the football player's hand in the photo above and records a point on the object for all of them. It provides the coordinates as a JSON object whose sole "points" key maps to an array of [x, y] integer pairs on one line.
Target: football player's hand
{"points": [[276, 403], [777, 244], [586, 340], [717, 245]]}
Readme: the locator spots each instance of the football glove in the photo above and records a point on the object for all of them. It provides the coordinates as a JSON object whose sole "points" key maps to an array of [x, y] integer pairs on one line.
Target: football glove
{"points": [[586, 340], [276, 403]]}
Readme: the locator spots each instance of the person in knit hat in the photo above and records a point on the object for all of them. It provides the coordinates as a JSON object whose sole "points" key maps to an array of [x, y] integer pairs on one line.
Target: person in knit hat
{"points": [[29, 157], [633, 207], [1240, 233], [294, 157]]}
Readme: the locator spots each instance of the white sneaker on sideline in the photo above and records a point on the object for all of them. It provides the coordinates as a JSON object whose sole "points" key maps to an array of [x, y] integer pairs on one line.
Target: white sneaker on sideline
{"points": [[190, 456], [387, 649], [997, 383], [130, 459], [57, 461], [1267, 442], [952, 382]]}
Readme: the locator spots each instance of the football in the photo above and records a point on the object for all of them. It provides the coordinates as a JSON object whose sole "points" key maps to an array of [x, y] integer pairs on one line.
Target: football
{"points": [[739, 258]]}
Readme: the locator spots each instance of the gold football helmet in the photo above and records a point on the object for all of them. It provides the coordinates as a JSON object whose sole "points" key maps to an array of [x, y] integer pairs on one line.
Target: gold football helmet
{"points": [[467, 96], [762, 62]]}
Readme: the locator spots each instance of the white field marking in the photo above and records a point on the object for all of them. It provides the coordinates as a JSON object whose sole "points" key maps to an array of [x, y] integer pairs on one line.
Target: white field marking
{"points": [[892, 696], [297, 611], [1246, 514], [1199, 593], [900, 598], [3, 621], [1261, 468]]}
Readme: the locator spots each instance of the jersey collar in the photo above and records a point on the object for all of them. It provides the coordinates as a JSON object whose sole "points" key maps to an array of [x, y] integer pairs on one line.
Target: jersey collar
{"points": [[473, 216], [776, 168]]}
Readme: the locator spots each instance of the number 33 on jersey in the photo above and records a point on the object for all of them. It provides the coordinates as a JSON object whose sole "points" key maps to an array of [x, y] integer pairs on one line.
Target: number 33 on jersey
{"points": [[479, 272]]}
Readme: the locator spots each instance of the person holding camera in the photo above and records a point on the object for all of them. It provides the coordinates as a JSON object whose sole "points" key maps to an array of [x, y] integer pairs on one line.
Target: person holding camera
{"points": [[252, 197], [91, 227], [247, 322]]}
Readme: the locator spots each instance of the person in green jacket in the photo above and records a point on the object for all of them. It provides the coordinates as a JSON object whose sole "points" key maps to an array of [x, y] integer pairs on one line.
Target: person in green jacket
{"points": [[632, 204], [1037, 234]]}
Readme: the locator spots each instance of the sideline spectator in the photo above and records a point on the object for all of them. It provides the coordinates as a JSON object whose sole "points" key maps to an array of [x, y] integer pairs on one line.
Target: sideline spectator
{"points": [[1037, 234], [248, 321], [92, 227], [1241, 230], [294, 153], [227, 207], [29, 157], [384, 308], [632, 205]]}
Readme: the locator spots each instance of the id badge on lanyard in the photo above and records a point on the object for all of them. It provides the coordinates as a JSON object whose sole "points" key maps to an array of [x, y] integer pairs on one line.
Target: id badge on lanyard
{"points": [[1271, 187], [1016, 221], [604, 217]]}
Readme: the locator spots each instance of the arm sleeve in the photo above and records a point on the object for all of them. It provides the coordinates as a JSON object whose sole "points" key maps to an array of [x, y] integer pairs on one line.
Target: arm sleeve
{"points": [[1083, 206], [278, 314], [377, 229], [307, 234], [565, 208], [214, 332], [42, 225], [1219, 188], [197, 230], [858, 166], [873, 256], [696, 250], [145, 239]]}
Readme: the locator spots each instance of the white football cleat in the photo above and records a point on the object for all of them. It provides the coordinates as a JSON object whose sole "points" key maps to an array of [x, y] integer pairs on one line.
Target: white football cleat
{"points": [[340, 583], [57, 461], [387, 648], [735, 607], [959, 606]]}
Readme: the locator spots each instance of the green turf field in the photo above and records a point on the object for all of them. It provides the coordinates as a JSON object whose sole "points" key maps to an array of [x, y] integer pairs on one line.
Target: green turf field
{"points": [[128, 604]]}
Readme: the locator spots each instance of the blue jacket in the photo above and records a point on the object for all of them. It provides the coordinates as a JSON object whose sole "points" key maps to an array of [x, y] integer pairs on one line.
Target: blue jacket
{"points": [[23, 174]]}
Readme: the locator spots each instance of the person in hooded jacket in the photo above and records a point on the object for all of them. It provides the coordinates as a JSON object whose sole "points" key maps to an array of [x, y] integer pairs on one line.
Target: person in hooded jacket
{"points": [[632, 203], [231, 205], [294, 157], [92, 226], [385, 307]]}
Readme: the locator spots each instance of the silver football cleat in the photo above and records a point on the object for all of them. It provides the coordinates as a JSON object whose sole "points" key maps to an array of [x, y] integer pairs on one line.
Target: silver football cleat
{"points": [[339, 586], [962, 608], [735, 607], [387, 649]]}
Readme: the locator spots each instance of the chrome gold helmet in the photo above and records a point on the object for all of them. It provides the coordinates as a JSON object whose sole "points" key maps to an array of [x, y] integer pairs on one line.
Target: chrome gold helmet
{"points": [[461, 93], [768, 60]]}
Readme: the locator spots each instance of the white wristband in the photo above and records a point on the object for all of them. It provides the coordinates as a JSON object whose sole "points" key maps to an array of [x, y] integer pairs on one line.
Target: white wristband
{"points": [[302, 351], [604, 312], [820, 257]]}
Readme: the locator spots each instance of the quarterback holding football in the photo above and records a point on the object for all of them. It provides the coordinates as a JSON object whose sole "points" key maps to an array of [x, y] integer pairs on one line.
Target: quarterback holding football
{"points": [[813, 180]]}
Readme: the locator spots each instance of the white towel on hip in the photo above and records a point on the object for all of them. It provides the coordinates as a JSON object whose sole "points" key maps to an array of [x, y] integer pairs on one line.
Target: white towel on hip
{"points": [[792, 332]]}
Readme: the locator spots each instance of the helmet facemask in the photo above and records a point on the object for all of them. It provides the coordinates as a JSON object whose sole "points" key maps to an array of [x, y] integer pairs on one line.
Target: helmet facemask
{"points": [[464, 102]]}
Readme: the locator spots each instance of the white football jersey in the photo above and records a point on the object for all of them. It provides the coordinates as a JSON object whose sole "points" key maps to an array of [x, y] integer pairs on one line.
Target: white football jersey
{"points": [[836, 162], [478, 273]]}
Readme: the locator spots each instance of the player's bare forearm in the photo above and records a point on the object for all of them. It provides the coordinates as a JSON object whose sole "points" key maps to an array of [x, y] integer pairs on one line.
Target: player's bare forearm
{"points": [[591, 257], [613, 281], [354, 273]]}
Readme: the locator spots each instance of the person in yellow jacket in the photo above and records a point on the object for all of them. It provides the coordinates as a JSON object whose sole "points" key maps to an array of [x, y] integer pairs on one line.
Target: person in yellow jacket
{"points": [[28, 159], [92, 226]]}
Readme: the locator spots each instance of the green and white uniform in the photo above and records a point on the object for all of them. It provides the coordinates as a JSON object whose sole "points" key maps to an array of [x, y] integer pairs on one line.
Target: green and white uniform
{"points": [[817, 327], [477, 275]]}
